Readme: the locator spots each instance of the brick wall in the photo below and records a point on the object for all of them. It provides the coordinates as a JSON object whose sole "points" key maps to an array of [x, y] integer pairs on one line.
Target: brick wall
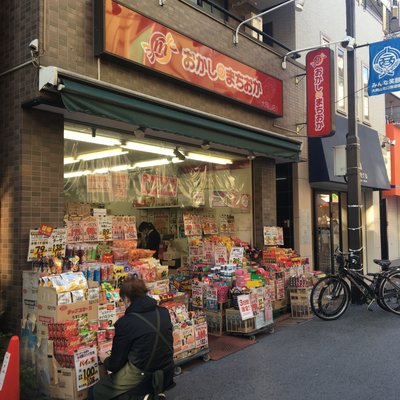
{"points": [[264, 193], [31, 157]]}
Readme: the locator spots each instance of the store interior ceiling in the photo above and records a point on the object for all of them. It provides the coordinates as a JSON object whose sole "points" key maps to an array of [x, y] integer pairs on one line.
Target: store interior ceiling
{"points": [[89, 150]]}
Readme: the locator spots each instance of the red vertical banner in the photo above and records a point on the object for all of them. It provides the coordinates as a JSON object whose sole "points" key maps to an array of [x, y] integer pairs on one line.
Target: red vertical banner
{"points": [[320, 92]]}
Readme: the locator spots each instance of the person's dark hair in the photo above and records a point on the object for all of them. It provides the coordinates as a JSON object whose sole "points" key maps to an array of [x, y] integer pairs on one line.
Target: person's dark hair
{"points": [[132, 288], [143, 225], [151, 226]]}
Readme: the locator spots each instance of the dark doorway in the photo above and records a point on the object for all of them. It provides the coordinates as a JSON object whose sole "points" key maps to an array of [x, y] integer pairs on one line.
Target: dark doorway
{"points": [[284, 202]]}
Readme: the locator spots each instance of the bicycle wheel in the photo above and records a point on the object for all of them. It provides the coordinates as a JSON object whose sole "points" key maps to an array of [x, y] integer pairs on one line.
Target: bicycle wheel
{"points": [[330, 298], [390, 292]]}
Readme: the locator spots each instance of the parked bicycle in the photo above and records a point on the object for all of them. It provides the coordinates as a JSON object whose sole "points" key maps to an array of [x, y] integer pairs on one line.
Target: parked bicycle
{"points": [[330, 296]]}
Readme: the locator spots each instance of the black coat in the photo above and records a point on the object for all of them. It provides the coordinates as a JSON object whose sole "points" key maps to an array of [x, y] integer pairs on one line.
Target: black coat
{"points": [[134, 339]]}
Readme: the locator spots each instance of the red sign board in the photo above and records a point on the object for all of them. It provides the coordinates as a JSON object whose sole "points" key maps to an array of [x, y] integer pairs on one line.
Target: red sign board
{"points": [[320, 93], [46, 230], [133, 37]]}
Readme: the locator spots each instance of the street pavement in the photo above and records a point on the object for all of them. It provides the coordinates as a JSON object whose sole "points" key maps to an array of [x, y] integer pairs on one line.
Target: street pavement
{"points": [[354, 357]]}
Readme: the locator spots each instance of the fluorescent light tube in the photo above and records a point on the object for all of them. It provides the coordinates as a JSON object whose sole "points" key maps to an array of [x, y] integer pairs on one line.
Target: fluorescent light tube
{"points": [[101, 154], [210, 159], [76, 174], [149, 148], [85, 137], [151, 163], [69, 160], [124, 167], [101, 171]]}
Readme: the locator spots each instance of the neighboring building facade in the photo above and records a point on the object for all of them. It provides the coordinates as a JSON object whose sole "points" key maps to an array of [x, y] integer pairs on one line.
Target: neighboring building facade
{"points": [[321, 25], [101, 95]]}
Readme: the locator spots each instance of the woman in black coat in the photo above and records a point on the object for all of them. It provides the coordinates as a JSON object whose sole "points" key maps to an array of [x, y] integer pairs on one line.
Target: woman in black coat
{"points": [[142, 344]]}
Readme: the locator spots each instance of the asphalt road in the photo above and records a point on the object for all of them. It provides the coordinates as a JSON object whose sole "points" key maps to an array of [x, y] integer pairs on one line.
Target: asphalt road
{"points": [[354, 357]]}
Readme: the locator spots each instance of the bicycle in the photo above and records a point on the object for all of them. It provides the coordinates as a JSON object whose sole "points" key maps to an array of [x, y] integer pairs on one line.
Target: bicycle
{"points": [[330, 296]]}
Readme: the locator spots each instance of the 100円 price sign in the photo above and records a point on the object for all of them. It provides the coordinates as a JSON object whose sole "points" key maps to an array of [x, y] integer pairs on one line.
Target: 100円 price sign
{"points": [[86, 367]]}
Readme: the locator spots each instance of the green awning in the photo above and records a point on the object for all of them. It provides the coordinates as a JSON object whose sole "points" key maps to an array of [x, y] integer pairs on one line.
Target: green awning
{"points": [[88, 98]]}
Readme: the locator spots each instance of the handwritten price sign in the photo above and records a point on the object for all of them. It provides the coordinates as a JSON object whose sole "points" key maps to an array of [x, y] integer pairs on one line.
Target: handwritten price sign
{"points": [[245, 309], [86, 367]]}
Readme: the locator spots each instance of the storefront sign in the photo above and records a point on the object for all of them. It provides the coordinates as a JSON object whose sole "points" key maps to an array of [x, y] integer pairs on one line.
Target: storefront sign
{"points": [[125, 34], [86, 367], [384, 61], [245, 309], [320, 92]]}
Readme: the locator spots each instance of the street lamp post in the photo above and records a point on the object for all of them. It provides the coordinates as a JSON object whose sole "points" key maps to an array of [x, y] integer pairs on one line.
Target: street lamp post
{"points": [[353, 155], [299, 4]]}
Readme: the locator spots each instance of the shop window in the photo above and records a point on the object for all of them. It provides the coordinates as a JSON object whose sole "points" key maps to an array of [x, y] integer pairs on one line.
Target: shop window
{"points": [[340, 89], [177, 187], [365, 97]]}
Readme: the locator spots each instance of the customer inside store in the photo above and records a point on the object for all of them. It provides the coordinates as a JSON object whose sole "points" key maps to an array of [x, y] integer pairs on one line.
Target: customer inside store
{"points": [[141, 358], [149, 237]]}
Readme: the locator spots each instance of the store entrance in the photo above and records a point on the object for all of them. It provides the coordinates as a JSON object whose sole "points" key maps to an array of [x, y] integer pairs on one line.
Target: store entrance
{"points": [[327, 229]]}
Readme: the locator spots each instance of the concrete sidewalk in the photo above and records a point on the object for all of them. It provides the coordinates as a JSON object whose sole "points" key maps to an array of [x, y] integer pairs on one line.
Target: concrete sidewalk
{"points": [[354, 357]]}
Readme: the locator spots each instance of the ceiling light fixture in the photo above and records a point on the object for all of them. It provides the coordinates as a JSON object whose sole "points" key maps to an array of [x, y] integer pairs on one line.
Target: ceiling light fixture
{"points": [[179, 154], [207, 158], [151, 163], [97, 139], [148, 148], [101, 154], [76, 174]]}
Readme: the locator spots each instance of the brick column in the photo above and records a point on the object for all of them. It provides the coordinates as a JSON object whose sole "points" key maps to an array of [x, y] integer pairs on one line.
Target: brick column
{"points": [[264, 192]]}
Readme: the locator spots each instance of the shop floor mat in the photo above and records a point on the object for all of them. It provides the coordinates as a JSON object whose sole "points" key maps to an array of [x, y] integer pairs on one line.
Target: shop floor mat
{"points": [[222, 346]]}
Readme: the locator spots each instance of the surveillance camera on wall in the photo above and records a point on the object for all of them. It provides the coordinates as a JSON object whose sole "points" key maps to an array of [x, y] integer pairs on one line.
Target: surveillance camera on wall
{"points": [[348, 43], [34, 45]]}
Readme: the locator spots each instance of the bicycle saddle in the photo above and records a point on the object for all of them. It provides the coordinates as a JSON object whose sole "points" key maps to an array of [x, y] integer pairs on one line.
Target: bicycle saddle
{"points": [[385, 264]]}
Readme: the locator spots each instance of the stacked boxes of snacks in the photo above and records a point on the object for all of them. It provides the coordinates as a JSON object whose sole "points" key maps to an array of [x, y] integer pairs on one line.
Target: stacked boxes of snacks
{"points": [[189, 330], [284, 264]]}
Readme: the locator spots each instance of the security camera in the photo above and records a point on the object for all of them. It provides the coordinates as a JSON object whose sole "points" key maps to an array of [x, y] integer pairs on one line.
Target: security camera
{"points": [[348, 43], [34, 45]]}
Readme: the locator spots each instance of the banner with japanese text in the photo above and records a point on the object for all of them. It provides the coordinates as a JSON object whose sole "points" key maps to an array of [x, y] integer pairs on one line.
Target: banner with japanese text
{"points": [[384, 61], [141, 40]]}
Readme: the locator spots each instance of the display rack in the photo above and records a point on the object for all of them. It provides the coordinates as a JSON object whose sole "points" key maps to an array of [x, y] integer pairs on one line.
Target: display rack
{"points": [[204, 354]]}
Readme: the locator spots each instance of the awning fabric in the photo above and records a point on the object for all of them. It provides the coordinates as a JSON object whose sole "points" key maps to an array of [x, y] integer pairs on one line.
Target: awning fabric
{"points": [[87, 98], [373, 169]]}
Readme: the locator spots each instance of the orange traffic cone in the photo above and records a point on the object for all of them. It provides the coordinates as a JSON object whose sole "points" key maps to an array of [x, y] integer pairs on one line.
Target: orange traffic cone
{"points": [[9, 374]]}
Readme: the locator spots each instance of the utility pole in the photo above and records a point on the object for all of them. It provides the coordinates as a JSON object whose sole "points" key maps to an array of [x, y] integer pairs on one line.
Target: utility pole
{"points": [[353, 155]]}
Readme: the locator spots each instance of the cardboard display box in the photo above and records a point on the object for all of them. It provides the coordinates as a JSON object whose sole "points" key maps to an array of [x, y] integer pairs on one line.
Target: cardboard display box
{"points": [[48, 311], [29, 293], [62, 380]]}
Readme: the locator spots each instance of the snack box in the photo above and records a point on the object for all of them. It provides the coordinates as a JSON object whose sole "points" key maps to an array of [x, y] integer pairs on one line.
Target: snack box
{"points": [[49, 311]]}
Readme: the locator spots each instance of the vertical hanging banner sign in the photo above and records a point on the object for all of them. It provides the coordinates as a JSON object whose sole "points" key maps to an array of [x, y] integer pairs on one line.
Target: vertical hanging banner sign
{"points": [[320, 93], [384, 62]]}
